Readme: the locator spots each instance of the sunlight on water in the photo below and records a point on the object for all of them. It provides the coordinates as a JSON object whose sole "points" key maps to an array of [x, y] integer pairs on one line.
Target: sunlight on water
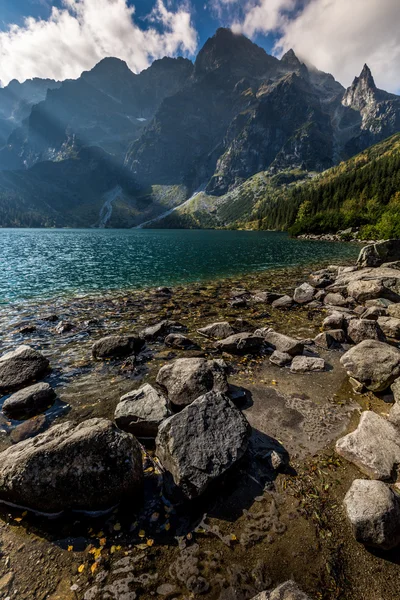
{"points": [[46, 262]]}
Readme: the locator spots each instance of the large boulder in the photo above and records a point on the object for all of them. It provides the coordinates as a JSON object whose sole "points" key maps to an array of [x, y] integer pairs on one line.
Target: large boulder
{"points": [[286, 591], [140, 412], [203, 441], [91, 466], [217, 331], [359, 330], [374, 364], [280, 342], [186, 379], [161, 330], [374, 513], [29, 402], [374, 447], [304, 293], [241, 343], [375, 255], [390, 326], [117, 346], [20, 367], [369, 289]]}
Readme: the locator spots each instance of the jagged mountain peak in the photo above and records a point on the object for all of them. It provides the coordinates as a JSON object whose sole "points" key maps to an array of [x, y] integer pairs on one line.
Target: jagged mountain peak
{"points": [[366, 75], [290, 57], [362, 92]]}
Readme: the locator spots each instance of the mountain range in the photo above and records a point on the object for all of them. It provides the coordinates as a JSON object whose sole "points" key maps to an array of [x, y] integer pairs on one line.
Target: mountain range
{"points": [[114, 148]]}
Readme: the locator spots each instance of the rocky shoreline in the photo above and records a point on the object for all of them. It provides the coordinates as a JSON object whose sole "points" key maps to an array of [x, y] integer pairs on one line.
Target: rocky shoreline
{"points": [[213, 434]]}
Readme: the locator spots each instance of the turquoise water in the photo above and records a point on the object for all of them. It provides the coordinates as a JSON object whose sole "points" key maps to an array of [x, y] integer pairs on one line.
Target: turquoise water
{"points": [[44, 263]]}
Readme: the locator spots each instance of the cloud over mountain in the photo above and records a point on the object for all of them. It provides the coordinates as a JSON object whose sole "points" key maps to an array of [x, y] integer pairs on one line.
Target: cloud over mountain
{"points": [[83, 32]]}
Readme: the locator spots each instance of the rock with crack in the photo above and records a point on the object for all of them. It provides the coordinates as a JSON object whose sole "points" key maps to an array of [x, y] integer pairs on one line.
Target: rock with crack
{"points": [[202, 442], [161, 330], [286, 591], [307, 364], [373, 510], [142, 411], [374, 447], [359, 330], [20, 367], [280, 342], [373, 364], [29, 402], [304, 293], [186, 379], [91, 466], [117, 346], [241, 343], [217, 331]]}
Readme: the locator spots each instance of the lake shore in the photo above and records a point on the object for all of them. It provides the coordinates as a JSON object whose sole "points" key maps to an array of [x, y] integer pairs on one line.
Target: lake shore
{"points": [[249, 533]]}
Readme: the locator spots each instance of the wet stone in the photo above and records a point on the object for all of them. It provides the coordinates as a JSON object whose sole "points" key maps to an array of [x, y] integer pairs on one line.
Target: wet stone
{"points": [[29, 401]]}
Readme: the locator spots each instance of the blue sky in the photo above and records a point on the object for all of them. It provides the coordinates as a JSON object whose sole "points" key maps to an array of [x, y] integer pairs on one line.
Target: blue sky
{"points": [[337, 36]]}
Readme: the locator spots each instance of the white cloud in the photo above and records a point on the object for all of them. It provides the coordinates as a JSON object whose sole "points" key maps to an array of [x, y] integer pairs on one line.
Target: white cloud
{"points": [[263, 16], [80, 34]]}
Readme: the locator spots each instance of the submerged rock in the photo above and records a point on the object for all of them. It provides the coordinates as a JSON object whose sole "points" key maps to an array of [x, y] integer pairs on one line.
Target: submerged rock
{"points": [[20, 367], [186, 379], [265, 297], [374, 447], [374, 364], [280, 342], [91, 466], [373, 510], [115, 346], [217, 331], [140, 412], [161, 330], [29, 401], [203, 441], [241, 343]]}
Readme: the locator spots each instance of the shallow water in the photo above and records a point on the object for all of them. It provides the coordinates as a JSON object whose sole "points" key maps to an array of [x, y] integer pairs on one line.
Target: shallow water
{"points": [[44, 263]]}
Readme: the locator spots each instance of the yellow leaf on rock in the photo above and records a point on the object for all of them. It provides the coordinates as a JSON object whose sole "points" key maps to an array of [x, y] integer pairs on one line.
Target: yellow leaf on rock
{"points": [[150, 542], [18, 519], [70, 548], [81, 568], [94, 567], [142, 533], [103, 541]]}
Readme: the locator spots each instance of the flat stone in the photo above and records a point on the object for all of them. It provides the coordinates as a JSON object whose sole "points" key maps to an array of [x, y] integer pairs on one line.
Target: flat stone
{"points": [[374, 447], [374, 364], [304, 293], [116, 346], [186, 379], [20, 367], [306, 364], [369, 289], [359, 330], [280, 342], [380, 303], [283, 302], [203, 441], [217, 331], [142, 411], [29, 401], [373, 510], [241, 343]]}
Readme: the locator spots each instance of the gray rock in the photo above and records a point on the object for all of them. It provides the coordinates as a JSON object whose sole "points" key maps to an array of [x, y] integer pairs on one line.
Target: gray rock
{"points": [[304, 293], [203, 441], [374, 364], [306, 364], [380, 303], [217, 331], [286, 591], [392, 265], [280, 342], [390, 326], [373, 313], [375, 255], [241, 343], [359, 330], [395, 387], [29, 402], [335, 320], [374, 513], [374, 447], [186, 379], [265, 297], [20, 367], [91, 466], [394, 311], [179, 341], [280, 358], [140, 412], [115, 346], [64, 327], [394, 413], [369, 289], [161, 330], [330, 339], [335, 299], [283, 302]]}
